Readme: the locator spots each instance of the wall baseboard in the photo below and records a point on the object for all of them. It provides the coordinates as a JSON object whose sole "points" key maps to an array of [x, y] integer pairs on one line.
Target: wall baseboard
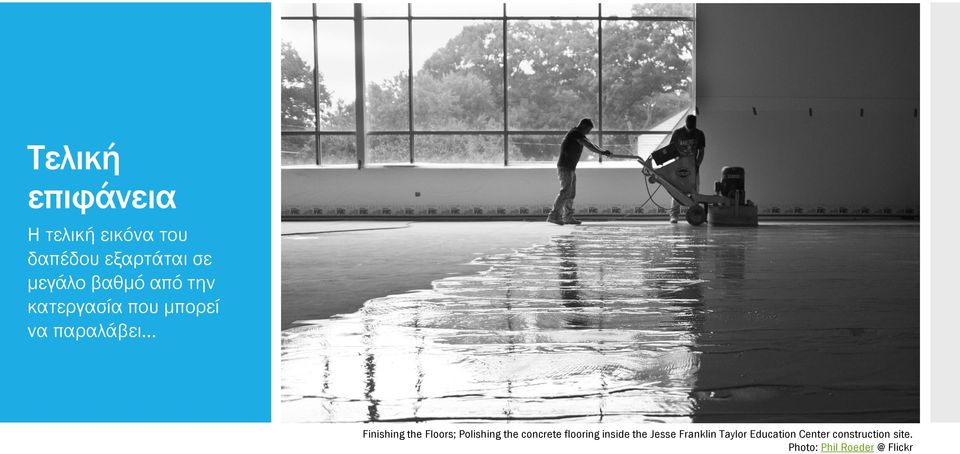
{"points": [[591, 212]]}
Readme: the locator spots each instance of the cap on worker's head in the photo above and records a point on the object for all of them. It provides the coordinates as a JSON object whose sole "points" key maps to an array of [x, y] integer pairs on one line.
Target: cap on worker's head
{"points": [[586, 123], [691, 121]]}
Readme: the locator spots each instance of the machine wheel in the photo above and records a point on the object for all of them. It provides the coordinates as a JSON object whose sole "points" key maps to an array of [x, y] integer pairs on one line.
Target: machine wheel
{"points": [[696, 215]]}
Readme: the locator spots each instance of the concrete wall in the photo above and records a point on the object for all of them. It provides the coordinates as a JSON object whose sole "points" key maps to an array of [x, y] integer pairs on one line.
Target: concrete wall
{"points": [[782, 60]]}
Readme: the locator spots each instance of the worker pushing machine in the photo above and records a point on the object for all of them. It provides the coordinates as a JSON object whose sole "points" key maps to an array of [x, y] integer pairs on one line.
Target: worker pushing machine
{"points": [[677, 171], [689, 143], [570, 150]]}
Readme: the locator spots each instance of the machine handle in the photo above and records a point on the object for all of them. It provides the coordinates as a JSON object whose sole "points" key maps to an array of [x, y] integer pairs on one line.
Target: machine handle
{"points": [[624, 156]]}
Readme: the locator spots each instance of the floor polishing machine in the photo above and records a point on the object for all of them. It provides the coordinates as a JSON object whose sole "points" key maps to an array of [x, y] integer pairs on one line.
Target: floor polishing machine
{"points": [[678, 175]]}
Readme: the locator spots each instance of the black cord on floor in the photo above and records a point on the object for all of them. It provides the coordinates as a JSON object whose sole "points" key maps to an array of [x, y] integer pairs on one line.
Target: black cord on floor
{"points": [[650, 195], [348, 230]]}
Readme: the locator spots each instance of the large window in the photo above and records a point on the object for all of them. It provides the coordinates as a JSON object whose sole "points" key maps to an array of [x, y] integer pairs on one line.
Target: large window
{"points": [[441, 83]]}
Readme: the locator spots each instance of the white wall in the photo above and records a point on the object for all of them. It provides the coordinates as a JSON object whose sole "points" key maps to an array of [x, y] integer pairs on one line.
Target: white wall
{"points": [[835, 59], [508, 188], [781, 59]]}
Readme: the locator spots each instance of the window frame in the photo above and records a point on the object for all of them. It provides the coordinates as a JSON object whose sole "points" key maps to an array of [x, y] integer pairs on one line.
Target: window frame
{"points": [[361, 133]]}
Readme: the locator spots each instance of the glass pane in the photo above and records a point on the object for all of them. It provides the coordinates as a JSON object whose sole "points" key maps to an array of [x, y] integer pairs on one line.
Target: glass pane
{"points": [[385, 9], [634, 144], [388, 149], [458, 78], [298, 99], [458, 9], [338, 150], [337, 87], [648, 9], [551, 9], [298, 149], [334, 9], [647, 74], [386, 72], [543, 148], [461, 149], [552, 80], [536, 148], [296, 9]]}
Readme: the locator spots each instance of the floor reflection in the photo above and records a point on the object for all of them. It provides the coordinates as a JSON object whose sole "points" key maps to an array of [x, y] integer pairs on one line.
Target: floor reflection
{"points": [[629, 323], [811, 323]]}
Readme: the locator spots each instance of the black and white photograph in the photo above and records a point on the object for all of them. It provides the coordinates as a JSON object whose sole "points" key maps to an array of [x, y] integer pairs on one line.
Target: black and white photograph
{"points": [[582, 212]]}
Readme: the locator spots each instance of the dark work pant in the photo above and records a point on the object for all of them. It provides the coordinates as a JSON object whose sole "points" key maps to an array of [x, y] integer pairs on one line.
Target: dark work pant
{"points": [[563, 205]]}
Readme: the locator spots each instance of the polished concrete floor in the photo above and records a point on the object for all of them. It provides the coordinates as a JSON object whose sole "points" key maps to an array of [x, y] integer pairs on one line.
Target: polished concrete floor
{"points": [[605, 322], [331, 268]]}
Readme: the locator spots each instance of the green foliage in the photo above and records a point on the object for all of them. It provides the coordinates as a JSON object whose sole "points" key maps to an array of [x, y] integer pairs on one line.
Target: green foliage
{"points": [[297, 112], [455, 101], [296, 91], [389, 104], [478, 50], [647, 72]]}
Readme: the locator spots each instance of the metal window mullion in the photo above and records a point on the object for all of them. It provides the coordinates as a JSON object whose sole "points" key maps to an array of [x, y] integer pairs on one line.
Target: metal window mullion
{"points": [[636, 132], [600, 76], [693, 82], [506, 127], [436, 133], [360, 102], [652, 18], [410, 78], [527, 18], [315, 18], [335, 133], [316, 89], [467, 132]]}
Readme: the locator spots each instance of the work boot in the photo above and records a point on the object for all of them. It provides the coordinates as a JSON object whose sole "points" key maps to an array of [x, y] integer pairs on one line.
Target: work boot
{"points": [[673, 219], [554, 220], [572, 221]]}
